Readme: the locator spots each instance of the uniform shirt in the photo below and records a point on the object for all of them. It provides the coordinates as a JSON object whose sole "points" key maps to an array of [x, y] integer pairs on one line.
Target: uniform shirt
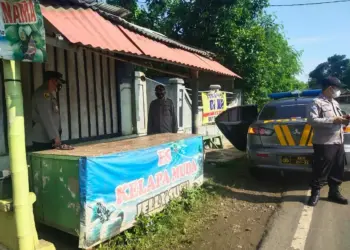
{"points": [[46, 116], [321, 114], [162, 117]]}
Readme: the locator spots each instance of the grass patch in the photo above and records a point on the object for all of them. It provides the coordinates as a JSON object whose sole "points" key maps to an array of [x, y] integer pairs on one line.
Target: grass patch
{"points": [[181, 221], [174, 227]]}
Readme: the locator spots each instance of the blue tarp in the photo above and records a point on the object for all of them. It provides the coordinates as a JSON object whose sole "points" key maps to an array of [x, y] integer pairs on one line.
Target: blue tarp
{"points": [[116, 188]]}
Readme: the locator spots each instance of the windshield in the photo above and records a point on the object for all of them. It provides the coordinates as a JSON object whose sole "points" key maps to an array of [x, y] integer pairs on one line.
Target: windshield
{"points": [[287, 111]]}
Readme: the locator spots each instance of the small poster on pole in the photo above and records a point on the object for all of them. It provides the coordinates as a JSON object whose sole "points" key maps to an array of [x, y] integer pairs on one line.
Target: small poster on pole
{"points": [[214, 102], [22, 33]]}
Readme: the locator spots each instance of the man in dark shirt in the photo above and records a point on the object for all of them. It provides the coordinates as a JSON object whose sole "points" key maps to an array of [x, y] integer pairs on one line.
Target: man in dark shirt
{"points": [[162, 115]]}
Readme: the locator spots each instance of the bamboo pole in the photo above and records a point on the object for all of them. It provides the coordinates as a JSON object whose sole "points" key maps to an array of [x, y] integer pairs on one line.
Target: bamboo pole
{"points": [[17, 152]]}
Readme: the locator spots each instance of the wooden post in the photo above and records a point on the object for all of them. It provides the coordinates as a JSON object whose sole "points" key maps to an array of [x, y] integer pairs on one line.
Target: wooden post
{"points": [[195, 87]]}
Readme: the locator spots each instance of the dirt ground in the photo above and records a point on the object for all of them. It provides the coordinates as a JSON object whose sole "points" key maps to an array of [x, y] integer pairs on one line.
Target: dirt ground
{"points": [[246, 204]]}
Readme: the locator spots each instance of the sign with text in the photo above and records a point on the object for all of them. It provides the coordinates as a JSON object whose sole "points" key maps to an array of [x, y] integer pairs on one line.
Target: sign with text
{"points": [[115, 189], [22, 33], [214, 102]]}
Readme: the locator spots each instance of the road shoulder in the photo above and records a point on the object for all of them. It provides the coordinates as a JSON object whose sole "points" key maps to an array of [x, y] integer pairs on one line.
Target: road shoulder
{"points": [[284, 222]]}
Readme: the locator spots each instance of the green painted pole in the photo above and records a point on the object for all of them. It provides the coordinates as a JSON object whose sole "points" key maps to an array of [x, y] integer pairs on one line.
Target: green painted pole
{"points": [[17, 152]]}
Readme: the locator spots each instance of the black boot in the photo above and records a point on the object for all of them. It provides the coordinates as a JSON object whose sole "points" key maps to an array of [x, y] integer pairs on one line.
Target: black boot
{"points": [[314, 198], [334, 195]]}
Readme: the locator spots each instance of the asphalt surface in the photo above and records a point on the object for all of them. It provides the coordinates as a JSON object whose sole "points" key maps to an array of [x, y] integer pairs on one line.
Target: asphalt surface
{"points": [[298, 227]]}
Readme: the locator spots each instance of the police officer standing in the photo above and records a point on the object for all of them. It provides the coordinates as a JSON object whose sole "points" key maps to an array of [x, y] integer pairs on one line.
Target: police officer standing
{"points": [[325, 117], [45, 113], [162, 115]]}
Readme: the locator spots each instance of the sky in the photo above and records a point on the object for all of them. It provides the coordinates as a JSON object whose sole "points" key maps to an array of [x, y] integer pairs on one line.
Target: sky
{"points": [[320, 31]]}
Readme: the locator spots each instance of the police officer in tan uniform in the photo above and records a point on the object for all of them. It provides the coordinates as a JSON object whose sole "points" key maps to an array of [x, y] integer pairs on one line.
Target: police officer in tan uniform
{"points": [[327, 121], [45, 113]]}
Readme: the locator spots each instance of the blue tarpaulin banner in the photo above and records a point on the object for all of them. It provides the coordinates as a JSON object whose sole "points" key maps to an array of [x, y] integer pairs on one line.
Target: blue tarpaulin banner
{"points": [[116, 188]]}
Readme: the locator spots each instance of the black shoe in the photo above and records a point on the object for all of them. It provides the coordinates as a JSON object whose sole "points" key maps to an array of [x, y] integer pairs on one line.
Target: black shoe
{"points": [[334, 195], [314, 198]]}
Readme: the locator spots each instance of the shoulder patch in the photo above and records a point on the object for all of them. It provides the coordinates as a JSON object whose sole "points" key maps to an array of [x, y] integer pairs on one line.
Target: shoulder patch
{"points": [[47, 95], [314, 108]]}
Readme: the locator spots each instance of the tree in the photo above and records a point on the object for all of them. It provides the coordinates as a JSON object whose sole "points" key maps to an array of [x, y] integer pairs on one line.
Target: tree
{"points": [[346, 76], [336, 65], [130, 5], [239, 32]]}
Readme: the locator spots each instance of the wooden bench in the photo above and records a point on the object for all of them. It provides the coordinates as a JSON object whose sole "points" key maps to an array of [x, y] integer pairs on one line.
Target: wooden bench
{"points": [[214, 141]]}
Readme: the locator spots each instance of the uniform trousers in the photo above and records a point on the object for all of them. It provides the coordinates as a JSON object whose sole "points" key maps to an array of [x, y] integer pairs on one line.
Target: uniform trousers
{"points": [[328, 165]]}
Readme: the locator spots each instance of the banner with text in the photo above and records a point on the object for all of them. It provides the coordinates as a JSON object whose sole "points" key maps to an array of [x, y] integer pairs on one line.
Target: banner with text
{"points": [[22, 33], [214, 102], [117, 188]]}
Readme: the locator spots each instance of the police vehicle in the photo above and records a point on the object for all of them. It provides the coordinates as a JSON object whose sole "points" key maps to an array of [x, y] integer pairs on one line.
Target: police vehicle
{"points": [[278, 137]]}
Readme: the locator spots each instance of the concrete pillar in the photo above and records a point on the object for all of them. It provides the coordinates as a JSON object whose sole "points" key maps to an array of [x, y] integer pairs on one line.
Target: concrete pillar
{"points": [[125, 74], [140, 102], [175, 90], [126, 108], [195, 87]]}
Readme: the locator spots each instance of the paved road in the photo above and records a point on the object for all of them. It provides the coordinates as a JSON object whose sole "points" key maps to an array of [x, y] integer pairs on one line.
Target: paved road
{"points": [[299, 227]]}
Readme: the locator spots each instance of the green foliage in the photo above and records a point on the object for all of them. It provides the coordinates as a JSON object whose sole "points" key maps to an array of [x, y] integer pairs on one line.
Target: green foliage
{"points": [[336, 65], [158, 230], [239, 32], [130, 5]]}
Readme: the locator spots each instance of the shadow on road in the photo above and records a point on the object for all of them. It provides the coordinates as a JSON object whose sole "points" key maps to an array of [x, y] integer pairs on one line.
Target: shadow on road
{"points": [[231, 178], [235, 173]]}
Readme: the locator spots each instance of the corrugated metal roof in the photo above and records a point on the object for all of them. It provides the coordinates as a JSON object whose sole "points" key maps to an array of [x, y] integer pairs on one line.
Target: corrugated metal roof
{"points": [[161, 51], [156, 35], [87, 27], [116, 14], [114, 10], [93, 4]]}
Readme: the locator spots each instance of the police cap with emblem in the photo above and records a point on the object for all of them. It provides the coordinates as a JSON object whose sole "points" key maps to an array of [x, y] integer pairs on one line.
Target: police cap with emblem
{"points": [[48, 75], [331, 81], [53, 75]]}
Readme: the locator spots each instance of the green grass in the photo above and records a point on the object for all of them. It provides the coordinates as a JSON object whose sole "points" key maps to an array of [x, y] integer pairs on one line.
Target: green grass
{"points": [[174, 226]]}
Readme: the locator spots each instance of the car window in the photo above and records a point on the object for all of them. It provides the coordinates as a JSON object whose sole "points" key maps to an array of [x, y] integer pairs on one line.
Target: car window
{"points": [[345, 107], [344, 103], [272, 112]]}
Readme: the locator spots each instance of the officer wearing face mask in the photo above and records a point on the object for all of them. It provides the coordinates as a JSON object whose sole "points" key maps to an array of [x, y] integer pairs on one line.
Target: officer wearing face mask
{"points": [[45, 113], [161, 116], [327, 121]]}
